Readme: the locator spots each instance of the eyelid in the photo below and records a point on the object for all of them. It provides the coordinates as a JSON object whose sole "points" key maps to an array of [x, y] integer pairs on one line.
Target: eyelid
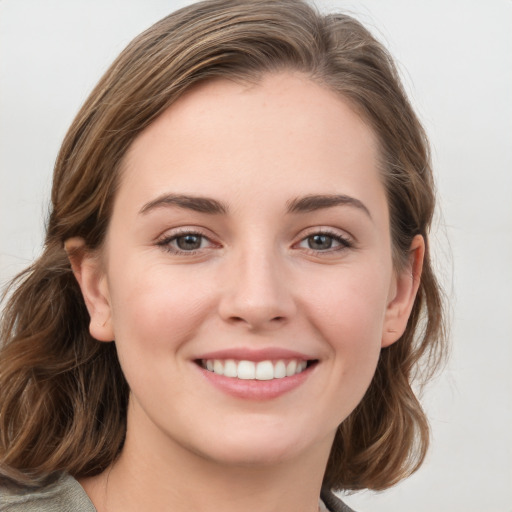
{"points": [[345, 240], [164, 240]]}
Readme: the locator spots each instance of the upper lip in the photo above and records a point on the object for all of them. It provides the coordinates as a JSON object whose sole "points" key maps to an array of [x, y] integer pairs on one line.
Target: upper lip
{"points": [[250, 354]]}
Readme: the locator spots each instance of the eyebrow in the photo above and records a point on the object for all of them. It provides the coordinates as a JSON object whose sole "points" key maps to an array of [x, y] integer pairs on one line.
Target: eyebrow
{"points": [[208, 205], [312, 203], [195, 203]]}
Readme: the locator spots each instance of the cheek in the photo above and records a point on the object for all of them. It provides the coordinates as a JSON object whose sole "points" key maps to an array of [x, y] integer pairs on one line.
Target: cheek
{"points": [[155, 311], [154, 319], [350, 318], [351, 308]]}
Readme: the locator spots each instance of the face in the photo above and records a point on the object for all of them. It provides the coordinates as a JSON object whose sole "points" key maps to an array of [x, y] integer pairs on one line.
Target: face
{"points": [[246, 276]]}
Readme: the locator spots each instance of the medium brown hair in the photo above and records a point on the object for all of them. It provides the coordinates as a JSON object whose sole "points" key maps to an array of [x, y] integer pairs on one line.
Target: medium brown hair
{"points": [[63, 396]]}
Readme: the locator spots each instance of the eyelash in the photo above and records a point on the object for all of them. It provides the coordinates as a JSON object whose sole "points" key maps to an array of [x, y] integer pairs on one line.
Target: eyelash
{"points": [[344, 242], [165, 243]]}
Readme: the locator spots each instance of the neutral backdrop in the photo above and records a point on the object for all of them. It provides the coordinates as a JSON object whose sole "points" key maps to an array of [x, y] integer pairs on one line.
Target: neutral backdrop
{"points": [[456, 61]]}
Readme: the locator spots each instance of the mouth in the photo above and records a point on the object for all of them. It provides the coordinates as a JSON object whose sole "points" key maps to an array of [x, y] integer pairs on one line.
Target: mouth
{"points": [[256, 370]]}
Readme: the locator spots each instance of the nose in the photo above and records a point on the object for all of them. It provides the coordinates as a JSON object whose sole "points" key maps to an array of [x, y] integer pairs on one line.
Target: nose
{"points": [[257, 292]]}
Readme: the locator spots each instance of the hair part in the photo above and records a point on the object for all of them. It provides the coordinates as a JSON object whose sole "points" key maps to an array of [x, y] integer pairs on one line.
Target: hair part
{"points": [[54, 374]]}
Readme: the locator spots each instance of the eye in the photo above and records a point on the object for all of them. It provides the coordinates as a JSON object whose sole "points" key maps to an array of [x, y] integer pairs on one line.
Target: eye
{"points": [[324, 242], [185, 242], [189, 242]]}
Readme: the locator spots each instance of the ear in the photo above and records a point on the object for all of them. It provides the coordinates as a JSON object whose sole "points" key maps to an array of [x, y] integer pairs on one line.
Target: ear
{"points": [[403, 293], [88, 271]]}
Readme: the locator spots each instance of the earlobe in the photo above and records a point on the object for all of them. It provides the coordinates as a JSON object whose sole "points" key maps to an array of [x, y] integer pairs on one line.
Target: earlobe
{"points": [[404, 294], [87, 269]]}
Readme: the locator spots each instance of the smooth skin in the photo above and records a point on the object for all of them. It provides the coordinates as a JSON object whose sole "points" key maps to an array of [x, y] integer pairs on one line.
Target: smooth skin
{"points": [[259, 267]]}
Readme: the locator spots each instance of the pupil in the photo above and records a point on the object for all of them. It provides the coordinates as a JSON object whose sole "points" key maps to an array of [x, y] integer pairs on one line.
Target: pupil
{"points": [[320, 242], [189, 242]]}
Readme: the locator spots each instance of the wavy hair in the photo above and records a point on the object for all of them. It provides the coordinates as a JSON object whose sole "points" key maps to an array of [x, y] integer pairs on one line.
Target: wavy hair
{"points": [[63, 396]]}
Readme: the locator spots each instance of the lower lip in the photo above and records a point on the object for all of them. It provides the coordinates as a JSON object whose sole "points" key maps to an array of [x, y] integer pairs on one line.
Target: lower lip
{"points": [[256, 389]]}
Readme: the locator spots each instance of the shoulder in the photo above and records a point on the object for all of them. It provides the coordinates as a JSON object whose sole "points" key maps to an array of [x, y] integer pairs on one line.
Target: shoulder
{"points": [[332, 502], [63, 495]]}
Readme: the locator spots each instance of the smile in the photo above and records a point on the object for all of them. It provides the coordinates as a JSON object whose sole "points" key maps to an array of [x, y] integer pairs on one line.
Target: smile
{"points": [[250, 370]]}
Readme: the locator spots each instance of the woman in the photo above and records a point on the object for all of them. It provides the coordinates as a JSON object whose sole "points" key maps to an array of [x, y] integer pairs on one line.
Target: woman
{"points": [[236, 290]]}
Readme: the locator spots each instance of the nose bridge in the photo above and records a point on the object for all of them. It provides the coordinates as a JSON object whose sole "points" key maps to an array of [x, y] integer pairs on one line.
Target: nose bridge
{"points": [[257, 292]]}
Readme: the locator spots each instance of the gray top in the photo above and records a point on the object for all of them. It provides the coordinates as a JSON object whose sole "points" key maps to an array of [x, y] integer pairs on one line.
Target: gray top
{"points": [[64, 495], [67, 495]]}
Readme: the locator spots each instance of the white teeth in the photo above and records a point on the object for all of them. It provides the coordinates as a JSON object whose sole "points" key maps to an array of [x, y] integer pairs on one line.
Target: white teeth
{"points": [[249, 370], [290, 368], [279, 370], [218, 367], [230, 368], [265, 370], [246, 370]]}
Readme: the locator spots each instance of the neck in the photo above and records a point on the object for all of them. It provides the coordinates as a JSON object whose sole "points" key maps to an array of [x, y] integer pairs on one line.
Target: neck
{"points": [[166, 476]]}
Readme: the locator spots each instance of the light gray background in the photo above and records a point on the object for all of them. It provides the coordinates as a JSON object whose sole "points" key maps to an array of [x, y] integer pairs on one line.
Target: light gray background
{"points": [[456, 61]]}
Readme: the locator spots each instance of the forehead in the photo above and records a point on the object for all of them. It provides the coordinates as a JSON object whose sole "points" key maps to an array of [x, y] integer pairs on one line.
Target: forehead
{"points": [[283, 130]]}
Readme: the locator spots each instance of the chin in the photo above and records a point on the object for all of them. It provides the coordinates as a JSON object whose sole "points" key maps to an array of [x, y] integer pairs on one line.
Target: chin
{"points": [[259, 446], [259, 454]]}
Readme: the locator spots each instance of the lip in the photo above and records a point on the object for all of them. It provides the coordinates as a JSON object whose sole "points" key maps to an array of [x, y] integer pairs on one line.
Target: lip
{"points": [[256, 355], [257, 390]]}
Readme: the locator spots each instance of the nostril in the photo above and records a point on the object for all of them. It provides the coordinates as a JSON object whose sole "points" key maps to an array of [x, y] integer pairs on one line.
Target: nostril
{"points": [[241, 319]]}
